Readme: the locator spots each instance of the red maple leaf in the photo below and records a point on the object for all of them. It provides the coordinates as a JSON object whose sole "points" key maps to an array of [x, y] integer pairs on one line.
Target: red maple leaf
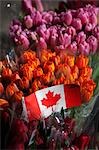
{"points": [[51, 99]]}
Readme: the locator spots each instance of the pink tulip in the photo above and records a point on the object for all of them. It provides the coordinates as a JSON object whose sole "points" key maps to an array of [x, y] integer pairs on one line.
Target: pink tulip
{"points": [[28, 21], [67, 17], [84, 48], [76, 23], [73, 47], [93, 43], [80, 37]]}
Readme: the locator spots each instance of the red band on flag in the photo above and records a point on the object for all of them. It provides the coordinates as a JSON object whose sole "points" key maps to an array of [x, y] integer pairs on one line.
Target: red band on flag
{"points": [[32, 106], [72, 95]]}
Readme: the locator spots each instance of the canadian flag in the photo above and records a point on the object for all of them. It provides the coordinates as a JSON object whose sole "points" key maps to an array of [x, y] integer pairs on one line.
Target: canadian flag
{"points": [[44, 102]]}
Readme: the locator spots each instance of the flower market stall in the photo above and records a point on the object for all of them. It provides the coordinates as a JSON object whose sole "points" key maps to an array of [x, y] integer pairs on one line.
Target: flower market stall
{"points": [[49, 80]]}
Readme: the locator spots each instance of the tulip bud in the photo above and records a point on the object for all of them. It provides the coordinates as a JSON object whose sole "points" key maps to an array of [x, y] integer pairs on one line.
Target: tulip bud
{"points": [[76, 23], [28, 21], [10, 90]]}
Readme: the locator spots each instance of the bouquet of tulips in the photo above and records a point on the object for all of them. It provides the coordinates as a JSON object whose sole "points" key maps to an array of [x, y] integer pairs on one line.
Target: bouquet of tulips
{"points": [[51, 48]]}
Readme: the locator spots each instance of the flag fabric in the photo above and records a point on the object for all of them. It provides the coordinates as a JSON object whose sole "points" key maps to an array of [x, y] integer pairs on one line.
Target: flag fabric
{"points": [[44, 102]]}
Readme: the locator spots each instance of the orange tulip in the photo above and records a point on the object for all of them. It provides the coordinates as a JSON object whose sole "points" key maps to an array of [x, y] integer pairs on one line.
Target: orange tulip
{"points": [[48, 78], [70, 60], [36, 85], [60, 80], [27, 71], [27, 56], [74, 72], [33, 64], [82, 61], [86, 72], [49, 67], [45, 55], [17, 96], [63, 56], [87, 89], [65, 69], [10, 90], [6, 73], [56, 60], [25, 82], [37, 72]]}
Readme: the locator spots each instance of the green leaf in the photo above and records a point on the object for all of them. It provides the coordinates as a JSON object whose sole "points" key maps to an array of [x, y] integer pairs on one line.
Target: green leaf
{"points": [[94, 60], [97, 89], [96, 72]]}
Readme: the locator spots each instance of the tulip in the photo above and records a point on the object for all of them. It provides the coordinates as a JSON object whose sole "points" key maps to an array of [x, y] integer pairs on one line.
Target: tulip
{"points": [[81, 37], [84, 17], [6, 73], [17, 96], [72, 48], [88, 27], [67, 17], [81, 61], [41, 44], [96, 32], [28, 21], [84, 48], [71, 31], [76, 23], [10, 90], [93, 43]]}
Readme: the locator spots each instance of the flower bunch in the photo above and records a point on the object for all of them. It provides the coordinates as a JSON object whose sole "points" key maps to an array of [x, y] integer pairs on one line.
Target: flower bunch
{"points": [[43, 70], [74, 30], [51, 133]]}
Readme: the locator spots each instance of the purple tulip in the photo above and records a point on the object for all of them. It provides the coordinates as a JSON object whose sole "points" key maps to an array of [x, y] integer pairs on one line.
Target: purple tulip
{"points": [[84, 48], [88, 27], [23, 41], [37, 18], [73, 47], [93, 20], [53, 30], [93, 43], [71, 31], [84, 17], [41, 44], [80, 37], [15, 28], [67, 40], [76, 23], [43, 32], [96, 32], [59, 48], [91, 9], [33, 36], [47, 17], [28, 21], [66, 17]]}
